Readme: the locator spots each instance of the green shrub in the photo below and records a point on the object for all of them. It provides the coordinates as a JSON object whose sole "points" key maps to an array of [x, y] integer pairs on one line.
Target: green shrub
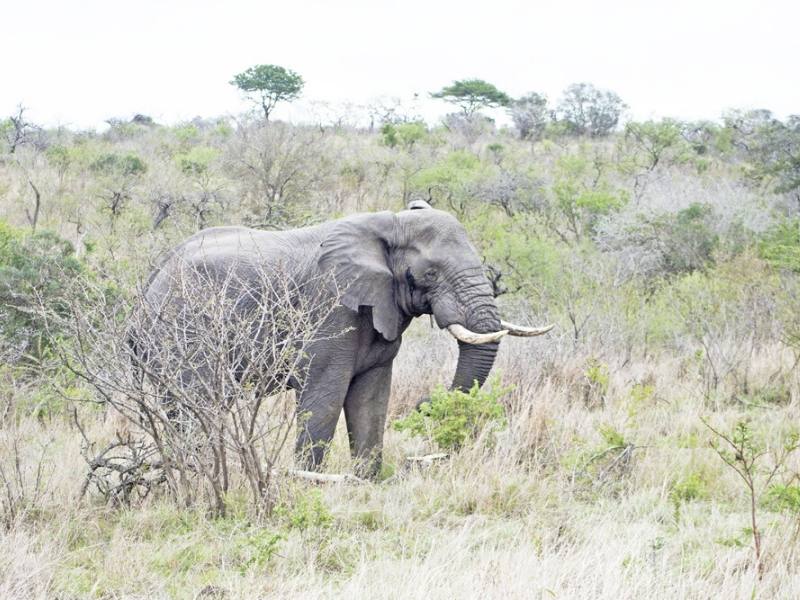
{"points": [[780, 247], [306, 511], [197, 160], [784, 498], [35, 268], [689, 487], [403, 134], [453, 417], [259, 548], [612, 437], [126, 165]]}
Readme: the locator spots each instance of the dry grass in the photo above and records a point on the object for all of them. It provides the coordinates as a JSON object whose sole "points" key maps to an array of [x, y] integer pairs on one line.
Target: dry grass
{"points": [[539, 513]]}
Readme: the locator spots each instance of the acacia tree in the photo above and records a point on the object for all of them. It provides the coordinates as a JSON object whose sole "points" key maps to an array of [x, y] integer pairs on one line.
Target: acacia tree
{"points": [[472, 95], [269, 84]]}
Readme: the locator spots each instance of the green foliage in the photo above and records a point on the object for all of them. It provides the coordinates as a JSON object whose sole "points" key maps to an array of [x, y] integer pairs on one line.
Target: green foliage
{"points": [[771, 146], [268, 85], [780, 246], [690, 487], [196, 161], [186, 134], [588, 111], [126, 165], [693, 240], [784, 498], [611, 437], [581, 195], [452, 418], [59, 156], [757, 465], [307, 510], [259, 548], [472, 95], [35, 268], [452, 180], [679, 242], [658, 143], [404, 135], [597, 375]]}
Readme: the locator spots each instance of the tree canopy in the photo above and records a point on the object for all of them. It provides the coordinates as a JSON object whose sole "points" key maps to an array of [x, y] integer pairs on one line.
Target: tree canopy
{"points": [[269, 84], [590, 111], [472, 95]]}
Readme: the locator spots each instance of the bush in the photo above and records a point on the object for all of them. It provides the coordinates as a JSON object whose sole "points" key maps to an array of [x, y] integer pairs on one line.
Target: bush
{"points": [[35, 268], [403, 134], [781, 246], [453, 417]]}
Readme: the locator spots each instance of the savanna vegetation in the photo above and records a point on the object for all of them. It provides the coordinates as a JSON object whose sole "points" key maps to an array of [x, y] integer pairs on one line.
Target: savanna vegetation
{"points": [[647, 447]]}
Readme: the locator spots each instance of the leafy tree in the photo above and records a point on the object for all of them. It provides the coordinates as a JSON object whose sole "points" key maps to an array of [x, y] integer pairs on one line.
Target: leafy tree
{"points": [[530, 115], [269, 84], [581, 196], [17, 131], [651, 144], [669, 243], [589, 111], [471, 95], [452, 181], [657, 141], [772, 147], [116, 177]]}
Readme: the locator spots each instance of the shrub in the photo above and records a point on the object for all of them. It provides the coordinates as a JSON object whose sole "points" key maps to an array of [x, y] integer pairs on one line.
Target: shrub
{"points": [[781, 246], [196, 161], [403, 134], [34, 269], [453, 417], [307, 510]]}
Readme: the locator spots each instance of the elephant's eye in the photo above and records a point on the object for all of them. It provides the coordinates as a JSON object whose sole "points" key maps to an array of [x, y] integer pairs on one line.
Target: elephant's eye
{"points": [[430, 275], [410, 279]]}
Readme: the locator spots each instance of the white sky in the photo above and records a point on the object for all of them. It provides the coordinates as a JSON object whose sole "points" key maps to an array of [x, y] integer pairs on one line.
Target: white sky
{"points": [[78, 63]]}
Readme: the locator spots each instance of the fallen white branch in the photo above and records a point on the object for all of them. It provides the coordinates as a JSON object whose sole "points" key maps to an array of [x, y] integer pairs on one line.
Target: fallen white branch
{"points": [[427, 459], [327, 477]]}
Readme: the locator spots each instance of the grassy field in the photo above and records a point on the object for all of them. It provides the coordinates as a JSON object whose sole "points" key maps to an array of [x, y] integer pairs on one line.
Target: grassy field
{"points": [[620, 499]]}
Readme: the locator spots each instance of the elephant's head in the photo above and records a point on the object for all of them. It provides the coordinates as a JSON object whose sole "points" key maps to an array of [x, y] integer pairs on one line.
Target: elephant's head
{"points": [[415, 262]]}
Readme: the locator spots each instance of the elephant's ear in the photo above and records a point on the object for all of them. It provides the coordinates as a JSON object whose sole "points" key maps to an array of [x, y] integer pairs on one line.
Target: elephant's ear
{"points": [[356, 250]]}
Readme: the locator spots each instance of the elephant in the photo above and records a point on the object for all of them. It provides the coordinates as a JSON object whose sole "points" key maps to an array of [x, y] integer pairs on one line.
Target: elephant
{"points": [[386, 268]]}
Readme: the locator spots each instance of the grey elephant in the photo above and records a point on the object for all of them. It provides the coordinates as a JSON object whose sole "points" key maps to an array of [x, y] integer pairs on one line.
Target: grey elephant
{"points": [[386, 268]]}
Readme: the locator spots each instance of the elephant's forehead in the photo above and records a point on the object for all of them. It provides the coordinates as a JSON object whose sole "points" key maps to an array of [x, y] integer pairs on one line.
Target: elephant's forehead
{"points": [[432, 225]]}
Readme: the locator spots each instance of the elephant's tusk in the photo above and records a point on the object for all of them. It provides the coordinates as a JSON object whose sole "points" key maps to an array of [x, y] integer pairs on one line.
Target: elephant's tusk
{"points": [[463, 334], [520, 331]]}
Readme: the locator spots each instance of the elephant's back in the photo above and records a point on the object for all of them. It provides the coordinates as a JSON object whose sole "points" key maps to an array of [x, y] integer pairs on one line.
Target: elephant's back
{"points": [[220, 249]]}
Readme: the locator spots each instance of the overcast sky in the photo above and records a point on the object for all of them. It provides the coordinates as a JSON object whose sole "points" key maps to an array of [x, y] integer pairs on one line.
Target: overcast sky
{"points": [[78, 63]]}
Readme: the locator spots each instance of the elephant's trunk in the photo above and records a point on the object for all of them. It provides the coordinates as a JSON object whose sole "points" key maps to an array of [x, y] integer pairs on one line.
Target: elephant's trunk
{"points": [[474, 364], [476, 360]]}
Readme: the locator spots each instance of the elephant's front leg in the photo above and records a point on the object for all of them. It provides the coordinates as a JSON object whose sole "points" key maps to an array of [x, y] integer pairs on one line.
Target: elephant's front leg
{"points": [[319, 407], [365, 411]]}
